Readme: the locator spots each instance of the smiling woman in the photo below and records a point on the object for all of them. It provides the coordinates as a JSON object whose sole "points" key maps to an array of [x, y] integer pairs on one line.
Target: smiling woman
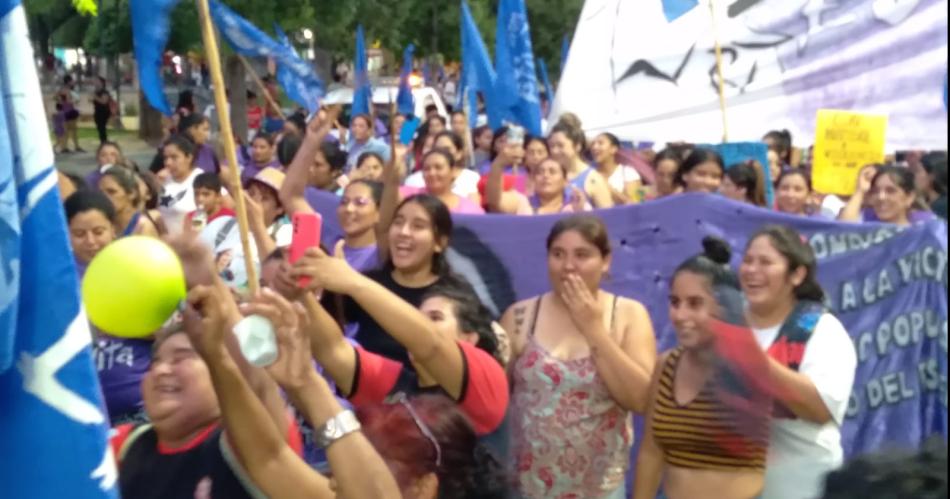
{"points": [[581, 359]]}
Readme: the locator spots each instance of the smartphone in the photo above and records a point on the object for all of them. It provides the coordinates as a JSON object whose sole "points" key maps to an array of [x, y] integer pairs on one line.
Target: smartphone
{"points": [[307, 229], [515, 136]]}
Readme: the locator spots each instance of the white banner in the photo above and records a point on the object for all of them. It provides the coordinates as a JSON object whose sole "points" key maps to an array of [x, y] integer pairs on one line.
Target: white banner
{"points": [[633, 73]]}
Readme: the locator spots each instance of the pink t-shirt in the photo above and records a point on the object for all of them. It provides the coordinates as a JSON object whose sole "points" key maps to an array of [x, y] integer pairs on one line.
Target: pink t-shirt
{"points": [[465, 207]]}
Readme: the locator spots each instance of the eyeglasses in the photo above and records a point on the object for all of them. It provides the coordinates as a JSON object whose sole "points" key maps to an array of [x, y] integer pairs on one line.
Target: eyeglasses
{"points": [[359, 202], [401, 399]]}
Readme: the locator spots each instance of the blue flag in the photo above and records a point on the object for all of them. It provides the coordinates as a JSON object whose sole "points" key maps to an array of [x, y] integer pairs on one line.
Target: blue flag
{"points": [[53, 430], [478, 75], [294, 74], [405, 102], [297, 77], [565, 52], [516, 89], [149, 37], [674, 9], [362, 93], [548, 89]]}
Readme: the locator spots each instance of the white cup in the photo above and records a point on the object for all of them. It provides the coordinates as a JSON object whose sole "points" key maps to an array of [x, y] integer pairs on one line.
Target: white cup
{"points": [[256, 338]]}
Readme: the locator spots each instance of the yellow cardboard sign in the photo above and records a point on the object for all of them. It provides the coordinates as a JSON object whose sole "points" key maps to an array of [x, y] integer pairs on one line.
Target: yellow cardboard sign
{"points": [[846, 142]]}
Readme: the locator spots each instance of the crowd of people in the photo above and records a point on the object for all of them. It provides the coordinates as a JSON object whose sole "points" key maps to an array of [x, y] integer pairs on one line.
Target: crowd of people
{"points": [[394, 379]]}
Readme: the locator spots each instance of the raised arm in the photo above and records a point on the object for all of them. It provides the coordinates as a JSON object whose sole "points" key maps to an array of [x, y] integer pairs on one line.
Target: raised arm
{"points": [[357, 467], [852, 210], [200, 271], [260, 447], [598, 190], [390, 201], [438, 354], [292, 192]]}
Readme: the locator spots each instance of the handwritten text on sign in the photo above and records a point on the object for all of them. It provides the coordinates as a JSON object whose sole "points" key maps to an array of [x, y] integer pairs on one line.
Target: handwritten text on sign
{"points": [[845, 142]]}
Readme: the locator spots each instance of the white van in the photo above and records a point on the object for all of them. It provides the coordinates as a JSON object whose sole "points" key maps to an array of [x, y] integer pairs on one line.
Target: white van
{"points": [[385, 96]]}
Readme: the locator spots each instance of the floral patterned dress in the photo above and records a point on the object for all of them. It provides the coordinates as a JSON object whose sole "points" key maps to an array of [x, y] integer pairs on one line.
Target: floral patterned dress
{"points": [[571, 439]]}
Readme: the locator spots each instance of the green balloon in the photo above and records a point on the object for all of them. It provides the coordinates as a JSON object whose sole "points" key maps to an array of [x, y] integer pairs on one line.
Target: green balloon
{"points": [[133, 286]]}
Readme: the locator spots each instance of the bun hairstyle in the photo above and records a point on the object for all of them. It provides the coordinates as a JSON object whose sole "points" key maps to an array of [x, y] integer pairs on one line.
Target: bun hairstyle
{"points": [[713, 265]]}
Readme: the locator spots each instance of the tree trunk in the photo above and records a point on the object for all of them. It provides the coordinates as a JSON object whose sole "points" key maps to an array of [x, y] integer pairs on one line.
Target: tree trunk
{"points": [[237, 96], [150, 122]]}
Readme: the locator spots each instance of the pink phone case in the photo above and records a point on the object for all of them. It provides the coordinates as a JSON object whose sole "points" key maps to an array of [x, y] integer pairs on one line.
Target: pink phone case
{"points": [[307, 228]]}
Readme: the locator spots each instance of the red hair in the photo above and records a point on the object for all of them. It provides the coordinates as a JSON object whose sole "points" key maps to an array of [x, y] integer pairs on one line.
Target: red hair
{"points": [[411, 454]]}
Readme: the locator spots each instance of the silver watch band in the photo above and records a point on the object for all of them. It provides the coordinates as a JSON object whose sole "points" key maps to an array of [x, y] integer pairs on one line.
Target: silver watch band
{"points": [[336, 428]]}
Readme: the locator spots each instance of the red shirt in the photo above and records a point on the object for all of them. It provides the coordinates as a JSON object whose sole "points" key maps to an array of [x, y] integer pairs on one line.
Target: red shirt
{"points": [[223, 212], [484, 397]]}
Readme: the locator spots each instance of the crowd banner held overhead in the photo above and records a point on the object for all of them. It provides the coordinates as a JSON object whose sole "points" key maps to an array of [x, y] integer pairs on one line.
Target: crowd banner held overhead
{"points": [[405, 102], [645, 78], [887, 285], [517, 84], [478, 74], [299, 81], [54, 430], [362, 93], [298, 78], [734, 153], [845, 142], [150, 30]]}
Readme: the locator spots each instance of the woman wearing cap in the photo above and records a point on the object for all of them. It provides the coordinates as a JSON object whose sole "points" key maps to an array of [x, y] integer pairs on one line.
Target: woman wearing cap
{"points": [[269, 225]]}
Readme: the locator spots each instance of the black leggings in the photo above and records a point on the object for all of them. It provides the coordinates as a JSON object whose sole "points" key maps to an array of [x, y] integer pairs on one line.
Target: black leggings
{"points": [[102, 123]]}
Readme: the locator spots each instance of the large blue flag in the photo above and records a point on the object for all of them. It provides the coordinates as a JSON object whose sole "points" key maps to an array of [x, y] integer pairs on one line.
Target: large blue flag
{"points": [[565, 52], [293, 73], [516, 89], [298, 78], [546, 79], [53, 431], [149, 37], [478, 75], [362, 93], [674, 9], [405, 102]]}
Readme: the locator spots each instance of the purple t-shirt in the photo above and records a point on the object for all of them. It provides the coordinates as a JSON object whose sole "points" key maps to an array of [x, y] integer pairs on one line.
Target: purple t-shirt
{"points": [[121, 364], [250, 169], [206, 160], [92, 180], [362, 259]]}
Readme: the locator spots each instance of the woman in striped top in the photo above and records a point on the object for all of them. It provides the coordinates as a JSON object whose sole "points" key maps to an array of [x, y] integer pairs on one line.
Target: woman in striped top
{"points": [[697, 443]]}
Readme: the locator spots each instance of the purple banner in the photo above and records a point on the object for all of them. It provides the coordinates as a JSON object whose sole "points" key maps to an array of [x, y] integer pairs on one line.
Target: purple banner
{"points": [[888, 287]]}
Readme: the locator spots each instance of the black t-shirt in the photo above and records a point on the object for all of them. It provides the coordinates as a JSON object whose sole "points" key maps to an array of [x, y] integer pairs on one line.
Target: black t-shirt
{"points": [[101, 109], [371, 336], [202, 469]]}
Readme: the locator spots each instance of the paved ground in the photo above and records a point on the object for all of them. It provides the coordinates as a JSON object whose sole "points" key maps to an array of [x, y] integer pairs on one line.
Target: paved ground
{"points": [[84, 162]]}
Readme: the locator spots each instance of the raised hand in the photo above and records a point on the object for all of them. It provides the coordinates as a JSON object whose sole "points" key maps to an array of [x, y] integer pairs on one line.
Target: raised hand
{"points": [[866, 178], [583, 305], [294, 365], [327, 273], [205, 318]]}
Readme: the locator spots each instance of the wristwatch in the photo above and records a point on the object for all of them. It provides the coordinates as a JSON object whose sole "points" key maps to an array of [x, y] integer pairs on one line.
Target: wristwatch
{"points": [[336, 428]]}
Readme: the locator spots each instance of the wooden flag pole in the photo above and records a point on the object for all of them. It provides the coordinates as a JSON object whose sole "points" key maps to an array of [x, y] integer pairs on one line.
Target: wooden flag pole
{"points": [[719, 71], [227, 135], [260, 85]]}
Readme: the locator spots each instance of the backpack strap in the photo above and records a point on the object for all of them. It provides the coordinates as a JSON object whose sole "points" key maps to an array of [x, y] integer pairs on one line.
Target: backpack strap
{"points": [[131, 439]]}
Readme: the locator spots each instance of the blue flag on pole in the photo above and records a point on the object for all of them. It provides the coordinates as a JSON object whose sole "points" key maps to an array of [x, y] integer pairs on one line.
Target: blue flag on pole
{"points": [[149, 37], [297, 77], [565, 52], [516, 89], [405, 102], [478, 75], [53, 430], [548, 88], [362, 93]]}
